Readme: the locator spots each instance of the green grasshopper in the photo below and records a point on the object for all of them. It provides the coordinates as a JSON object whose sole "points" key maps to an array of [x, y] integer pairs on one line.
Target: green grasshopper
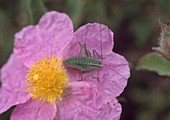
{"points": [[87, 63], [84, 63]]}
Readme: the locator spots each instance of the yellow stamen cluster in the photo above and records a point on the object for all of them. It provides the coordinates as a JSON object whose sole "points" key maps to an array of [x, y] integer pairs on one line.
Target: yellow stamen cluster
{"points": [[47, 79]]}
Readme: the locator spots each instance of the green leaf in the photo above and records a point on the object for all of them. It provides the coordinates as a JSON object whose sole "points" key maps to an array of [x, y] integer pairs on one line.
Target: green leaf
{"points": [[154, 62]]}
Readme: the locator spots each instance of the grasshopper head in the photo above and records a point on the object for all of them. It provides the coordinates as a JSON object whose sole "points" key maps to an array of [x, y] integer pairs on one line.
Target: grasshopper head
{"points": [[66, 62], [100, 64]]}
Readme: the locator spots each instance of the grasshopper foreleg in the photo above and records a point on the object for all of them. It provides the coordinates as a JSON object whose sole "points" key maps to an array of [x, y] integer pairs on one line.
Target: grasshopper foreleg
{"points": [[81, 72]]}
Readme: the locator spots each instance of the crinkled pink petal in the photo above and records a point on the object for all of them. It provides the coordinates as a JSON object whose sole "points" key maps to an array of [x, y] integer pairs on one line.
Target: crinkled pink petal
{"points": [[12, 91], [34, 110], [47, 38], [57, 30], [111, 111], [114, 74], [28, 44], [96, 36], [84, 103]]}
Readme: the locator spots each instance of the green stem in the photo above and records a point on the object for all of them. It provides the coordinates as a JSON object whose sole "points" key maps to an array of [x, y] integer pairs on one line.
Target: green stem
{"points": [[30, 12]]}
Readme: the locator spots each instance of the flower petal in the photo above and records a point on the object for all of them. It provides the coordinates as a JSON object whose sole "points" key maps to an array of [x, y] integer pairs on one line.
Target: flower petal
{"points": [[45, 39], [84, 103], [12, 91], [57, 30], [114, 75], [96, 36], [34, 110], [27, 43], [110, 111]]}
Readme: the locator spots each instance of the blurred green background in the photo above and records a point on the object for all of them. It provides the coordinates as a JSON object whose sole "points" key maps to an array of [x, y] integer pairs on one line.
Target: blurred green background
{"points": [[134, 22]]}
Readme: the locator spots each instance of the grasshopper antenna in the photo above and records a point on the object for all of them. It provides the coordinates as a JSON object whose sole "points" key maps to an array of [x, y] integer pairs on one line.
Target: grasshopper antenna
{"points": [[101, 43], [100, 19], [115, 71]]}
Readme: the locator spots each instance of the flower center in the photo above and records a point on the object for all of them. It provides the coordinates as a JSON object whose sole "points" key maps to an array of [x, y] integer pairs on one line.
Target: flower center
{"points": [[47, 79]]}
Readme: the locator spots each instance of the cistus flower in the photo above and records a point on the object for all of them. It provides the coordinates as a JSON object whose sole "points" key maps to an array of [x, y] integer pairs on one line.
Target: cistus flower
{"points": [[164, 41], [43, 88]]}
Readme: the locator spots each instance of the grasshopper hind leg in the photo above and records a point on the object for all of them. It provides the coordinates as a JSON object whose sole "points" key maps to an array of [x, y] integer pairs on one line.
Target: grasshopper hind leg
{"points": [[96, 56], [95, 53], [94, 77]]}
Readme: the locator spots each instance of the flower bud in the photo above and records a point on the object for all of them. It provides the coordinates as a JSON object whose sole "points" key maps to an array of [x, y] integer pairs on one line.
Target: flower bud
{"points": [[164, 45]]}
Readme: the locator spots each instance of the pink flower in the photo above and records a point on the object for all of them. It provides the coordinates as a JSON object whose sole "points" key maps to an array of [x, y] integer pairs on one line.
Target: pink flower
{"points": [[35, 80]]}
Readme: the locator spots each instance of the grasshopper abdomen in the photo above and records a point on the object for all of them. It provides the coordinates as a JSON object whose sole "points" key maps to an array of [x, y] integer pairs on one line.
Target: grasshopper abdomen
{"points": [[83, 63]]}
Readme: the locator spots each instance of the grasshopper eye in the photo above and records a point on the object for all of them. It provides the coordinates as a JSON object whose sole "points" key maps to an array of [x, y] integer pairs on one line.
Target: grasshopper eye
{"points": [[66, 62], [100, 63]]}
